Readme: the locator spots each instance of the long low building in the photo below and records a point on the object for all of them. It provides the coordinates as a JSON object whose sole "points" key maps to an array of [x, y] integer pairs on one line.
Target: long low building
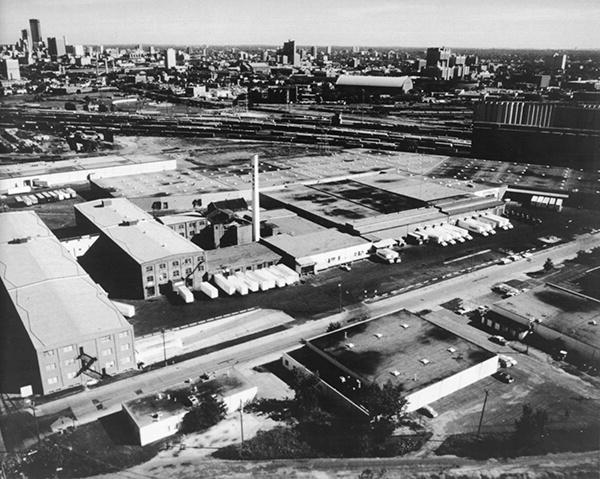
{"points": [[239, 258], [135, 255], [59, 329], [313, 252], [429, 362], [23, 176]]}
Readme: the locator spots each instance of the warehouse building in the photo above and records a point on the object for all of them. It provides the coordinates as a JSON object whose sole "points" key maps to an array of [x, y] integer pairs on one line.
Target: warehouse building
{"points": [[429, 362], [313, 252], [361, 87], [240, 258], [157, 416], [21, 177], [187, 225], [553, 317], [59, 329], [135, 255]]}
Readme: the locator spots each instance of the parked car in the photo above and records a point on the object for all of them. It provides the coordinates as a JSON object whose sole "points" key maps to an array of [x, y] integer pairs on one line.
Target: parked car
{"points": [[504, 377], [498, 340], [507, 361], [428, 411], [194, 401]]}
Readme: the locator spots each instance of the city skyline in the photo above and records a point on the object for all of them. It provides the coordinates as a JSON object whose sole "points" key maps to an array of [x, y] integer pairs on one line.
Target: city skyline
{"points": [[554, 24]]}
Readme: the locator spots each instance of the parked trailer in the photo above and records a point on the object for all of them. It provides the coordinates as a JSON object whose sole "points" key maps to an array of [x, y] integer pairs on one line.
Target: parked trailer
{"points": [[264, 283], [472, 226], [414, 238], [127, 310], [461, 231], [54, 195], [267, 275], [252, 285], [278, 274], [289, 274], [489, 228], [33, 199], [209, 290], [240, 286], [185, 294], [224, 284], [71, 192], [439, 236], [388, 255], [503, 221]]}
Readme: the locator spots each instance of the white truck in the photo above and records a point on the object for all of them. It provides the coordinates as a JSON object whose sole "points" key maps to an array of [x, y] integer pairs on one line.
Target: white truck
{"points": [[209, 290], [473, 226], [388, 255]]}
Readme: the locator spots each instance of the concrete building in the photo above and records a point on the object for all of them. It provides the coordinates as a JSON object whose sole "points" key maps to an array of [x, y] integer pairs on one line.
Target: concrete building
{"points": [[56, 47], [289, 52], [23, 176], [187, 225], [428, 361], [170, 58], [58, 326], [36, 31], [313, 252], [135, 255], [538, 132], [158, 416], [553, 318], [233, 259], [9, 69]]}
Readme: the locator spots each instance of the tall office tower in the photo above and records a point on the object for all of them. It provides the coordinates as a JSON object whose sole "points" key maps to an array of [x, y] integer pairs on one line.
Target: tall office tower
{"points": [[563, 63], [56, 48], [36, 31], [9, 69], [355, 49], [329, 50], [170, 58], [289, 50], [25, 38], [313, 51]]}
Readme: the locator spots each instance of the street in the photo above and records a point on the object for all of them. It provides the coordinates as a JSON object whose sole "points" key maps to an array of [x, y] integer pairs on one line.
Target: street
{"points": [[97, 402]]}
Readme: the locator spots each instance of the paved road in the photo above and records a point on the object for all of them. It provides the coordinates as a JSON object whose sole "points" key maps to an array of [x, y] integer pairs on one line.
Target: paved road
{"points": [[269, 348]]}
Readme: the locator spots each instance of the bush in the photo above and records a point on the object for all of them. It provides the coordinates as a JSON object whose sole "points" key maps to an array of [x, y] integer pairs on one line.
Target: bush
{"points": [[333, 326], [209, 412]]}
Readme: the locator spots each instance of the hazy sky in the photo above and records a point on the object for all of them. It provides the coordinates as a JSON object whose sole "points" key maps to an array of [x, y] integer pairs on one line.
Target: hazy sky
{"points": [[456, 23]]}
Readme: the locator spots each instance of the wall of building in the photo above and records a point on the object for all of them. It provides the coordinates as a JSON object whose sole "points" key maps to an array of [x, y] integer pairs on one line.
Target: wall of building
{"points": [[158, 276], [451, 384], [337, 257], [82, 175], [159, 429], [234, 400]]}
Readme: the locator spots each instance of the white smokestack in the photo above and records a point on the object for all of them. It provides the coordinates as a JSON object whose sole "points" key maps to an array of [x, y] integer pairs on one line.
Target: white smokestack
{"points": [[255, 202]]}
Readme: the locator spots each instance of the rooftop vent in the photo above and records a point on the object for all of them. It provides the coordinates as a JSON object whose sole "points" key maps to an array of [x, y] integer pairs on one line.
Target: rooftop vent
{"points": [[404, 325], [106, 202], [129, 222], [451, 349], [424, 361], [378, 335], [395, 373], [349, 345]]}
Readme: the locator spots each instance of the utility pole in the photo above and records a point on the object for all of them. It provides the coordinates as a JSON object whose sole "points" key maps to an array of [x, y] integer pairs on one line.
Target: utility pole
{"points": [[164, 346], [482, 411], [340, 297], [242, 425]]}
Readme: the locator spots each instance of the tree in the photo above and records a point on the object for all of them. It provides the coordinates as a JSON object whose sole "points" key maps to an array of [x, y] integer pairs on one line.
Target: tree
{"points": [[548, 265], [530, 427], [209, 412]]}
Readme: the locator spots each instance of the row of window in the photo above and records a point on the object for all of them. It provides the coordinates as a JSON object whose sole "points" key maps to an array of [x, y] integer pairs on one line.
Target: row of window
{"points": [[174, 264], [162, 278], [72, 374], [67, 349]]}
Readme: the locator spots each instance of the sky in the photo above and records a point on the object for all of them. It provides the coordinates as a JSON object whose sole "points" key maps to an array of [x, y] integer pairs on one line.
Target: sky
{"points": [[536, 24]]}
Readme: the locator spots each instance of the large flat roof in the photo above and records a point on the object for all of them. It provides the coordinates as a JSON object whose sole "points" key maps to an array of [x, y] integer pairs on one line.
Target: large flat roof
{"points": [[558, 309], [393, 348], [374, 81], [239, 255], [57, 301], [313, 243], [134, 231]]}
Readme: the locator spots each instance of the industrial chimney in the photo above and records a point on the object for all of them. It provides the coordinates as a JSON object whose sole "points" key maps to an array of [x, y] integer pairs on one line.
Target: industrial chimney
{"points": [[255, 201]]}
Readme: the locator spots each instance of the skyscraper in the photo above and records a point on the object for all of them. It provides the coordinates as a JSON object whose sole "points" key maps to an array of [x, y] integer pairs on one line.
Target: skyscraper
{"points": [[170, 58], [9, 69], [56, 47], [289, 51], [36, 30]]}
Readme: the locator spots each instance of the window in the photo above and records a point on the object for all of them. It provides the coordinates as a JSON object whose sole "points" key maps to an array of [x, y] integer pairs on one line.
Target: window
{"points": [[71, 375], [105, 339], [126, 360], [107, 352], [150, 291], [162, 265], [149, 269], [165, 205], [53, 380], [124, 334], [176, 273], [162, 277], [124, 347], [69, 362], [50, 367], [149, 279], [175, 263], [48, 354], [187, 261], [67, 349], [188, 271]]}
